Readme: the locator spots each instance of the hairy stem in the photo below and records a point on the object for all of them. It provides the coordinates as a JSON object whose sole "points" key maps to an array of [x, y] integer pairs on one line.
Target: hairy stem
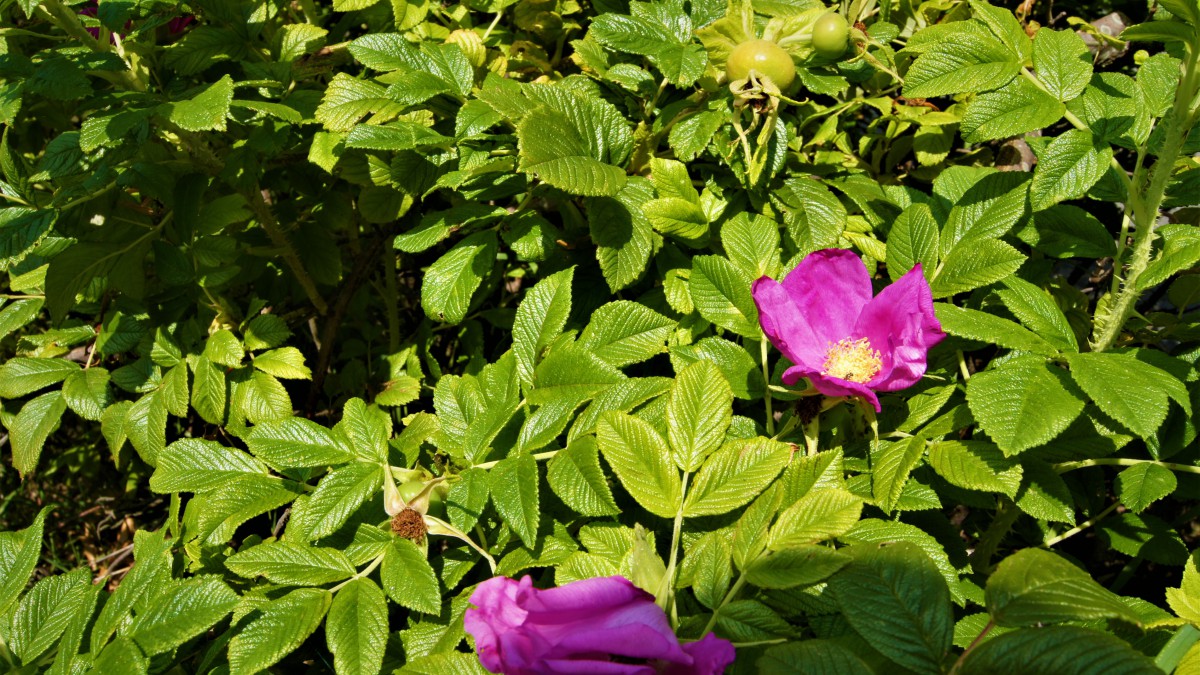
{"points": [[1144, 200]]}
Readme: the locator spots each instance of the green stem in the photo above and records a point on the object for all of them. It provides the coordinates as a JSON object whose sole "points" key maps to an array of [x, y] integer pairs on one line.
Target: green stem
{"points": [[266, 219], [67, 20], [538, 456], [1118, 461], [974, 643], [666, 591], [812, 432], [733, 591], [1082, 526], [366, 571], [985, 548], [1172, 653], [391, 300], [767, 390]]}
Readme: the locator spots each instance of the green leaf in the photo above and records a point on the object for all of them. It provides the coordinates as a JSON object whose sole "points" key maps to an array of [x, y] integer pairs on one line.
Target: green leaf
{"points": [[1185, 600], [1034, 587], [1038, 310], [286, 362], [20, 376], [276, 629], [813, 657], [891, 467], [974, 263], [576, 477], [1023, 403], [197, 465], [895, 599], [31, 427], [573, 372], [739, 369], [210, 394], [573, 142], [338, 495], [966, 61], [1012, 110], [356, 629], [120, 656], [540, 318], [1066, 231], [623, 235], [184, 609], [913, 240], [467, 498], [795, 566], [204, 112], [18, 314], [1062, 61], [699, 411], [86, 393], [624, 396], [291, 564], [721, 293], [1141, 485], [874, 531], [44, 612], [1068, 168], [408, 578], [752, 244], [822, 513], [814, 216], [514, 488], [622, 333], [734, 475], [295, 442], [1062, 650], [368, 429], [642, 461], [348, 99], [975, 465], [1130, 391], [976, 325], [1044, 494], [266, 331], [450, 282], [19, 553]]}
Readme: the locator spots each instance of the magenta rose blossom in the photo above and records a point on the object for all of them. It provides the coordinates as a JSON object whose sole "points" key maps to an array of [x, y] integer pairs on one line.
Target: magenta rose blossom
{"points": [[601, 625], [823, 318]]}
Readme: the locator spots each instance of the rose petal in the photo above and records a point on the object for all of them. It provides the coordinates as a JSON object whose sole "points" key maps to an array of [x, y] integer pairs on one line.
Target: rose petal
{"points": [[638, 631], [586, 667], [783, 324], [830, 289], [832, 386], [901, 324], [710, 656]]}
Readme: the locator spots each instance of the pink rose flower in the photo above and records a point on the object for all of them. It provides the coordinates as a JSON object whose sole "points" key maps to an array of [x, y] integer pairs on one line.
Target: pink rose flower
{"points": [[601, 625], [823, 318]]}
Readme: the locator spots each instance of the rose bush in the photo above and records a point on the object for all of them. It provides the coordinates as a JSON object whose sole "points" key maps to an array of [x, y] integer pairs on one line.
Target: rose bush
{"points": [[621, 336]]}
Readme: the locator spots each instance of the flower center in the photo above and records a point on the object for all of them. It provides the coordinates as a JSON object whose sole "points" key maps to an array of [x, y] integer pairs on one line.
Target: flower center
{"points": [[410, 524], [852, 360]]}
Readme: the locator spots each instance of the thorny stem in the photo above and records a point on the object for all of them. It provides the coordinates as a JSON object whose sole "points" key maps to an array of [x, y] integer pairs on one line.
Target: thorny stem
{"points": [[266, 219], [1145, 198], [1082, 526]]}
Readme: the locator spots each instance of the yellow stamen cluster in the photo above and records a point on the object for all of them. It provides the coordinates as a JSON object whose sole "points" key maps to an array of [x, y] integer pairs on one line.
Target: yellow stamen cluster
{"points": [[852, 360]]}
